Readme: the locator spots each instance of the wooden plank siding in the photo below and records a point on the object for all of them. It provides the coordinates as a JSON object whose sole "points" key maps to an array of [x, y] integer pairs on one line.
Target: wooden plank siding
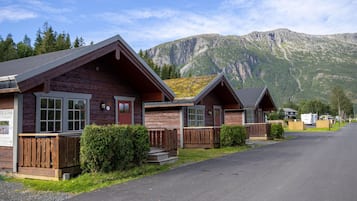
{"points": [[259, 131], [48, 155], [168, 118], [201, 137], [233, 118], [7, 101]]}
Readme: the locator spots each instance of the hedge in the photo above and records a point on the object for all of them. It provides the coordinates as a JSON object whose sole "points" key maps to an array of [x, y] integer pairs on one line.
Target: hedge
{"points": [[233, 135], [277, 131], [113, 147]]}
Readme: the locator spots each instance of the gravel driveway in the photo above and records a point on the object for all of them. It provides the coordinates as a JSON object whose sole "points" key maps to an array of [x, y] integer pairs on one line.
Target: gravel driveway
{"points": [[11, 191]]}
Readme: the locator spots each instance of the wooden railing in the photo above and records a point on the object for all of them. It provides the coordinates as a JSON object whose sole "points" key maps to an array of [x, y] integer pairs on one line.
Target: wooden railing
{"points": [[164, 139], [258, 130], [48, 155], [201, 137]]}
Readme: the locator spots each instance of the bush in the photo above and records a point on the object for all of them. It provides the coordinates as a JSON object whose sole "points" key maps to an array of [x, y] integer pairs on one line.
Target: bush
{"points": [[277, 131], [112, 147], [233, 135], [141, 144]]}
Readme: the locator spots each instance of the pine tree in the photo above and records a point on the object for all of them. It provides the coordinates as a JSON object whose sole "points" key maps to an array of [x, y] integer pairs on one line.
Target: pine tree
{"points": [[8, 49], [24, 48], [78, 42]]}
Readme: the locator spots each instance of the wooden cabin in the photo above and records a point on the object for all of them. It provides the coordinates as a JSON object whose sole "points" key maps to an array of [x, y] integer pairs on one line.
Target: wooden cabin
{"points": [[197, 111], [46, 100], [257, 103]]}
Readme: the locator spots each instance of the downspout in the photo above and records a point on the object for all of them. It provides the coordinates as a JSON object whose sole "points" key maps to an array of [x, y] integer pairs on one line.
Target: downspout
{"points": [[181, 126]]}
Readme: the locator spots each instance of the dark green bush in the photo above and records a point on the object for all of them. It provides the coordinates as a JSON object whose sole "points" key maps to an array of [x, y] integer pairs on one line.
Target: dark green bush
{"points": [[112, 147], [277, 131], [141, 144], [233, 135]]}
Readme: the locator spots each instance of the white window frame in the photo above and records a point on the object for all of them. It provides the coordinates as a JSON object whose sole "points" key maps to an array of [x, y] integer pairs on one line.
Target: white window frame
{"points": [[196, 108], [65, 96], [252, 116]]}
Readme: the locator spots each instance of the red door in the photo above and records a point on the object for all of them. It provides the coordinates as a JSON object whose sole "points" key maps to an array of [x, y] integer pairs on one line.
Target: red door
{"points": [[125, 112]]}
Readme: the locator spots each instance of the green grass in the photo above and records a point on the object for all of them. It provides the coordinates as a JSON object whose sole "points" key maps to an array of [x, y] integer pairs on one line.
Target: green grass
{"points": [[92, 181], [335, 127]]}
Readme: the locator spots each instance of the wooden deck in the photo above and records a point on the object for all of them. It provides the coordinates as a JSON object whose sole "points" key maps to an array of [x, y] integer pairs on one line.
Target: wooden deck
{"points": [[201, 137], [48, 156], [258, 131], [164, 139]]}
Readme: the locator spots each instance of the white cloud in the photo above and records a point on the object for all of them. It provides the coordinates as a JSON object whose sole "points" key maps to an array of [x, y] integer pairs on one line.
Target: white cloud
{"points": [[13, 13]]}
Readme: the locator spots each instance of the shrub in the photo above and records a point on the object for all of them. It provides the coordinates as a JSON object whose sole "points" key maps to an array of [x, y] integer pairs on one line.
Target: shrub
{"points": [[277, 131], [141, 144], [232, 135], [112, 147]]}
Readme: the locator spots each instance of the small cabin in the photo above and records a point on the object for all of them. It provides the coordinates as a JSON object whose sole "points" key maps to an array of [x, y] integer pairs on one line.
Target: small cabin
{"points": [[197, 111], [46, 101]]}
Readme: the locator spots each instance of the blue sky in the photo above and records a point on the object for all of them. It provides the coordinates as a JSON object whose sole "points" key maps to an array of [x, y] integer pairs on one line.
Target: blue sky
{"points": [[146, 23]]}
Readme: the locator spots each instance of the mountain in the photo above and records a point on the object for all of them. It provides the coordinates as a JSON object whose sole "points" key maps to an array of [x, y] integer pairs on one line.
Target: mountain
{"points": [[292, 65]]}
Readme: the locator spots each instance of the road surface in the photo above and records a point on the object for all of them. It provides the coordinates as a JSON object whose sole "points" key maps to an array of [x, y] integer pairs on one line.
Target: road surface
{"points": [[311, 167]]}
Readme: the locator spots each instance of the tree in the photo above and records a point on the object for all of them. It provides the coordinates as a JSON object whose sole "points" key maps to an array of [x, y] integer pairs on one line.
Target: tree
{"points": [[24, 48], [63, 42], [340, 104], [78, 42], [167, 71], [313, 106], [8, 49]]}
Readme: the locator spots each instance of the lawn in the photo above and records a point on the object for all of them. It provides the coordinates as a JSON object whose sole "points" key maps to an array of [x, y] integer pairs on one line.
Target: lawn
{"points": [[91, 181]]}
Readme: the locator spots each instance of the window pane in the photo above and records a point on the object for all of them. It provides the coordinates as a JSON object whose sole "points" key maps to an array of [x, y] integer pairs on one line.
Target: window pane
{"points": [[83, 115], [76, 115], [70, 104], [70, 115], [50, 126], [51, 115], [43, 127], [58, 126], [51, 103], [43, 115], [43, 102], [82, 124], [121, 107], [76, 125], [70, 125], [58, 104], [58, 115]]}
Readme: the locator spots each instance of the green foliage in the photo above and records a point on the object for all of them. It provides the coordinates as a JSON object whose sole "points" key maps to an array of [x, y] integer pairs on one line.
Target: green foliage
{"points": [[112, 147], [277, 131], [340, 103], [276, 115], [141, 145], [313, 106], [233, 135], [47, 40], [167, 71]]}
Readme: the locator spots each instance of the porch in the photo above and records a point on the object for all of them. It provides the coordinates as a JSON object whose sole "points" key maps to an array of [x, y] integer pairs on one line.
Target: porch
{"points": [[48, 155], [201, 137], [258, 131]]}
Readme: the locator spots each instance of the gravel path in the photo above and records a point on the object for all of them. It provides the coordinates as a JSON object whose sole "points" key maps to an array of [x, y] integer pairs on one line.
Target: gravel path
{"points": [[11, 191]]}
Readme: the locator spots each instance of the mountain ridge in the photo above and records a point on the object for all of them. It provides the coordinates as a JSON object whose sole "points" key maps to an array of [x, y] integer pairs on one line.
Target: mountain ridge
{"points": [[294, 66]]}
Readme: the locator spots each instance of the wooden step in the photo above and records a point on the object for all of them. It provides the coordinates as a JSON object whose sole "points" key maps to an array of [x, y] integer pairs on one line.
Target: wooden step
{"points": [[158, 156], [164, 161]]}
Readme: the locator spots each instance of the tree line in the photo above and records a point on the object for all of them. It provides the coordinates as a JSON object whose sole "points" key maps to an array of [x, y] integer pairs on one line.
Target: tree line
{"points": [[167, 71], [47, 40], [339, 105]]}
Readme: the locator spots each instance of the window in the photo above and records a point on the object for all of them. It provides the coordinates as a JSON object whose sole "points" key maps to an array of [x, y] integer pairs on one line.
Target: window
{"points": [[76, 114], [50, 114], [196, 116], [124, 108], [249, 116], [61, 111]]}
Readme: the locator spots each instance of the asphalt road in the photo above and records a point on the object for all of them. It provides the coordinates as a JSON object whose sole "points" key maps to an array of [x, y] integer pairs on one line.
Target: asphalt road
{"points": [[311, 167]]}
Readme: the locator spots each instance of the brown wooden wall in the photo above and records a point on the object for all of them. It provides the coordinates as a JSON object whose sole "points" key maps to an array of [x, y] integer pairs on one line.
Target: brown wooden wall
{"points": [[6, 158], [103, 85], [209, 101], [233, 117], [7, 101], [168, 118]]}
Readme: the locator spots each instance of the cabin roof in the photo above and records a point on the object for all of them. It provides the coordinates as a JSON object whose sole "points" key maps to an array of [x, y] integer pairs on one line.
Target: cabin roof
{"points": [[253, 97], [16, 71]]}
